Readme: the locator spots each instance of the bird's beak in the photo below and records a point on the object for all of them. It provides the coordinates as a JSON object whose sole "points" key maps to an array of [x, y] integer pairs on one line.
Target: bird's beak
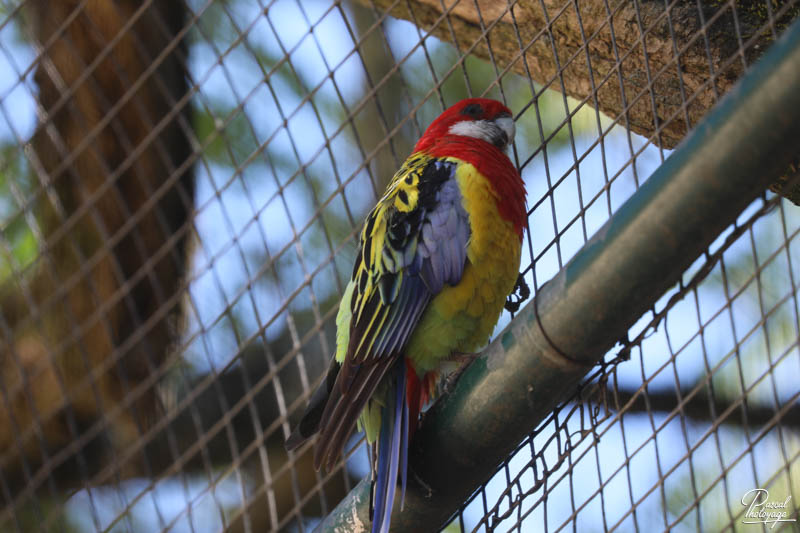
{"points": [[506, 124]]}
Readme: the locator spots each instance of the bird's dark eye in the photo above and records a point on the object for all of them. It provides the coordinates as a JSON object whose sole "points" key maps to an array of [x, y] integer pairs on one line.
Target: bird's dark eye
{"points": [[472, 110]]}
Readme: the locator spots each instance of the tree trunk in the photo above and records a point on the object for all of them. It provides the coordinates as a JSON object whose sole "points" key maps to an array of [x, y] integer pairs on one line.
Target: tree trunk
{"points": [[114, 195]]}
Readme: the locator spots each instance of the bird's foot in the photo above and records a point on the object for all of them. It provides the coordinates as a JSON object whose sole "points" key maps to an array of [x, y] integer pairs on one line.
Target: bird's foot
{"points": [[520, 293], [463, 360]]}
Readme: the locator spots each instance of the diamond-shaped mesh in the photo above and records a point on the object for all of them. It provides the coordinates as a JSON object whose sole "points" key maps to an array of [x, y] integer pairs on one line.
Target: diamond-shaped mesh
{"points": [[181, 187]]}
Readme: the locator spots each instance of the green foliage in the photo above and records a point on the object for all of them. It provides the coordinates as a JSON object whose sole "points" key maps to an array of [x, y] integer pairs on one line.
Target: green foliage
{"points": [[34, 514], [18, 245]]}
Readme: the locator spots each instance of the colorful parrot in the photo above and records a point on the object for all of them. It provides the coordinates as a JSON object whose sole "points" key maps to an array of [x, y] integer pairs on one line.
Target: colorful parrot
{"points": [[438, 256]]}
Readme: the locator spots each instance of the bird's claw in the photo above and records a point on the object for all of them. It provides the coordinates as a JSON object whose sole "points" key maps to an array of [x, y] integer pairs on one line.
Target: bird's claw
{"points": [[520, 293], [463, 360]]}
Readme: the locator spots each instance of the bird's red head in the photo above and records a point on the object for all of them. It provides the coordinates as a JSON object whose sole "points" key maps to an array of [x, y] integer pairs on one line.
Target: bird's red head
{"points": [[479, 118], [478, 131]]}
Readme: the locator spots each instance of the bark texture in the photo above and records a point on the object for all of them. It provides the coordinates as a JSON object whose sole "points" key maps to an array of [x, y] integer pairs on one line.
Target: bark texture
{"points": [[83, 334]]}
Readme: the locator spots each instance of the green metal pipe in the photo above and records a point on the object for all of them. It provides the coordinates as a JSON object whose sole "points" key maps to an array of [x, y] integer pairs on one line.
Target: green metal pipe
{"points": [[745, 143]]}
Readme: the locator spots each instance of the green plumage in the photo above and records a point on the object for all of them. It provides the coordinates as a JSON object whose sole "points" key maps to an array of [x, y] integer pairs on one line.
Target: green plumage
{"points": [[458, 318]]}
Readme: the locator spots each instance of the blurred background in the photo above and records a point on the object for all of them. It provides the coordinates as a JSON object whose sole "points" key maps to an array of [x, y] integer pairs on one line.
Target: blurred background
{"points": [[181, 187]]}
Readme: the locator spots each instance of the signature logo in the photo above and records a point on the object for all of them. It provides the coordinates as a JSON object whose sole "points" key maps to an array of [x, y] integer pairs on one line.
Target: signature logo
{"points": [[760, 510]]}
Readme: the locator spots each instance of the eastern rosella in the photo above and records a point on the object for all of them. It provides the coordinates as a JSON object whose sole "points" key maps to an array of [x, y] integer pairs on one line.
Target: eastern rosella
{"points": [[438, 256]]}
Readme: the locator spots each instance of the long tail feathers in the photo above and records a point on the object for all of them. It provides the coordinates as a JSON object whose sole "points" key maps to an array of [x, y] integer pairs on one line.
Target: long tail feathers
{"points": [[404, 440], [392, 454], [309, 424]]}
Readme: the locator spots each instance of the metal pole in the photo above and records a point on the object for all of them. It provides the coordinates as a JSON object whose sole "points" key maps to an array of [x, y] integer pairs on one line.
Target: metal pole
{"points": [[742, 146]]}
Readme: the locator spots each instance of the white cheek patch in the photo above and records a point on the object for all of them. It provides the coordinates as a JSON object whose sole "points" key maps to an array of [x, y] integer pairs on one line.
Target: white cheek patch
{"points": [[479, 129], [499, 132]]}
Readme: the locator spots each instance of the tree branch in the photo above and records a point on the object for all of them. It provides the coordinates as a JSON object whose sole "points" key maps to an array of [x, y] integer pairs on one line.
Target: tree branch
{"points": [[96, 312], [657, 70], [699, 407]]}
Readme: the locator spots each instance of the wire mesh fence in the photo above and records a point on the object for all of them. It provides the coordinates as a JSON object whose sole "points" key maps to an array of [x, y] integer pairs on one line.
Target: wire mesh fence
{"points": [[181, 187]]}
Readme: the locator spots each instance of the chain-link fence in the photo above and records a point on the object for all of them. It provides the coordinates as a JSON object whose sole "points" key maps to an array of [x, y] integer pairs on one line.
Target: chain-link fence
{"points": [[181, 187]]}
